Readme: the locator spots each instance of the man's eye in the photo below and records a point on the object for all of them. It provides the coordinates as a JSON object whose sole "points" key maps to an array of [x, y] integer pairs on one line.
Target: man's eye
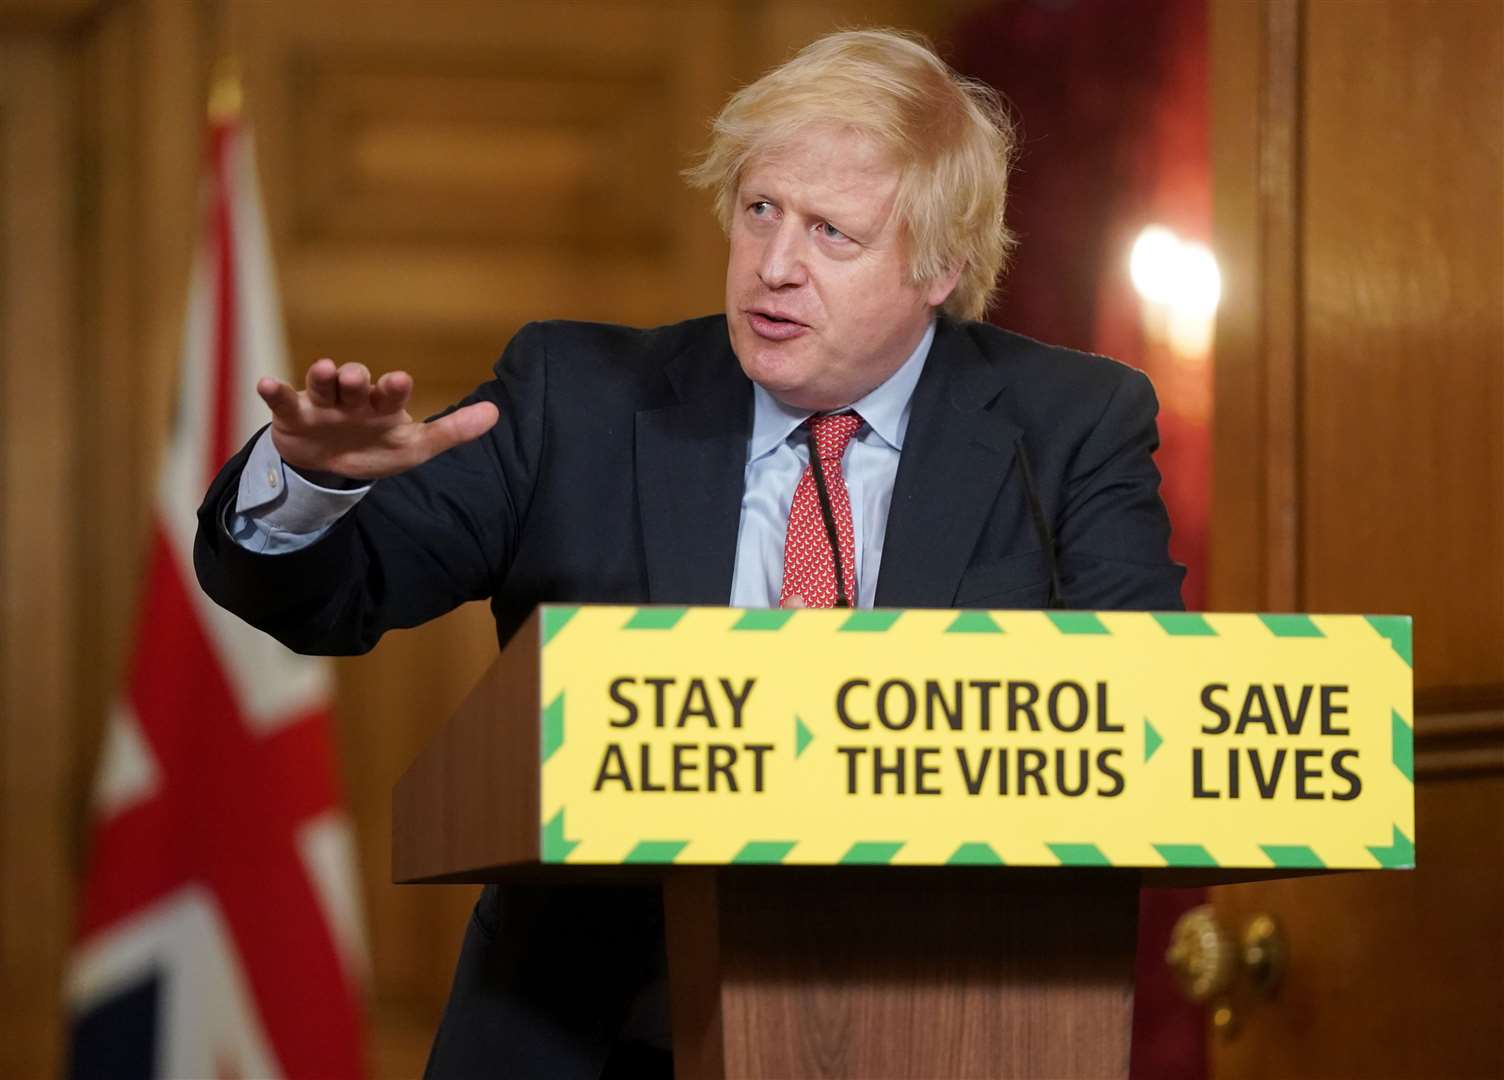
{"points": [[760, 208], [830, 232]]}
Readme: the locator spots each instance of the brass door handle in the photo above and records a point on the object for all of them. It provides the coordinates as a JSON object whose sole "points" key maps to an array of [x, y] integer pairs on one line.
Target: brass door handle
{"points": [[1215, 968]]}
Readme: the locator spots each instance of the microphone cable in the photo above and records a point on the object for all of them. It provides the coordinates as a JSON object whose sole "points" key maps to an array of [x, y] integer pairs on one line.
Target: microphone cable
{"points": [[1056, 599]]}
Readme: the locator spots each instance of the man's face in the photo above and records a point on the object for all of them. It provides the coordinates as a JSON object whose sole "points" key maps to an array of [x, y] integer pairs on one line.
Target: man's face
{"points": [[817, 293]]}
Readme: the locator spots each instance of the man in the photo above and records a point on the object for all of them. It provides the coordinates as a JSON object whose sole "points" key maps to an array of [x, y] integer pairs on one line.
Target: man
{"points": [[862, 187]]}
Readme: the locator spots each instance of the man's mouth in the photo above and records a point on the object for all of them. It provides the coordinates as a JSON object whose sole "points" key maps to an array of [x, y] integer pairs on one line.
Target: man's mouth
{"points": [[774, 327]]}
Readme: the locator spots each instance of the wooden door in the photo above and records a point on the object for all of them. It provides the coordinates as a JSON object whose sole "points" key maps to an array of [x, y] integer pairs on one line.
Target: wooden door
{"points": [[1359, 464]]}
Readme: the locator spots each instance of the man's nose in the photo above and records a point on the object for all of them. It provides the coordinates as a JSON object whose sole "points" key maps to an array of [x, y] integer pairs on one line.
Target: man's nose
{"points": [[783, 258]]}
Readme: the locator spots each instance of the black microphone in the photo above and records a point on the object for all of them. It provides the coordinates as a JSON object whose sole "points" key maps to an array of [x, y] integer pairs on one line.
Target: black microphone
{"points": [[1056, 598], [843, 598]]}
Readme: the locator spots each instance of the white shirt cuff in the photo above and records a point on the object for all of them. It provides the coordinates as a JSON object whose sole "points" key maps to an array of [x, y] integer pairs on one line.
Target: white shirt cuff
{"points": [[277, 510]]}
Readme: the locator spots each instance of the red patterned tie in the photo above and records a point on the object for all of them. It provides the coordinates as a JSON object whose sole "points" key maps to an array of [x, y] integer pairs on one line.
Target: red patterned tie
{"points": [[809, 574]]}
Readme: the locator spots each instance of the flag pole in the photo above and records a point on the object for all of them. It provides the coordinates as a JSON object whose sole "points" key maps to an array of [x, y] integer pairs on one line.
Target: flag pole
{"points": [[225, 93]]}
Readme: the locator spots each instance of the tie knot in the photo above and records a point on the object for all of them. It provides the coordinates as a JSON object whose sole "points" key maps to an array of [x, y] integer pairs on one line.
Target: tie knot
{"points": [[833, 432]]}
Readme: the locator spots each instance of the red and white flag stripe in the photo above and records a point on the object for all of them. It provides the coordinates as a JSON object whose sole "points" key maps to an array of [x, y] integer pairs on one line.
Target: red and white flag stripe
{"points": [[221, 874]]}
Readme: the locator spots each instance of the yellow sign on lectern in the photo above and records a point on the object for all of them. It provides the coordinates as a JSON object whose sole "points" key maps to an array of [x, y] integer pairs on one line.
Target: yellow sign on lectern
{"points": [[1028, 738]]}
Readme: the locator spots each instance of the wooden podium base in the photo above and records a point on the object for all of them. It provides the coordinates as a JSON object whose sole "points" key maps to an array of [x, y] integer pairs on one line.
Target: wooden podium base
{"points": [[887, 972]]}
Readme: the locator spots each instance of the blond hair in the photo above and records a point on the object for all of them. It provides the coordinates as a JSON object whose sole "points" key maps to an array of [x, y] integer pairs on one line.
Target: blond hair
{"points": [[950, 137]]}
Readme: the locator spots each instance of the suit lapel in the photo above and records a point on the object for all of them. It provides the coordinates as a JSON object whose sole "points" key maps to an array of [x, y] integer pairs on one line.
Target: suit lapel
{"points": [[691, 468], [956, 454]]}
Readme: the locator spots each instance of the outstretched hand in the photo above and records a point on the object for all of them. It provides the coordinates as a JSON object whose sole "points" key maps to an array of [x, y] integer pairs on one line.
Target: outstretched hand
{"points": [[343, 423]]}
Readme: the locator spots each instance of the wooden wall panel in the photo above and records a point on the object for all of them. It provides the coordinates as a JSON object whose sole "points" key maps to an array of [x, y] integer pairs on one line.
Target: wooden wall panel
{"points": [[1403, 322], [39, 378]]}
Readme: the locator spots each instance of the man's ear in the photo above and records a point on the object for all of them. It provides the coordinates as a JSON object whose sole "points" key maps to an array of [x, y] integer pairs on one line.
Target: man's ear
{"points": [[938, 289]]}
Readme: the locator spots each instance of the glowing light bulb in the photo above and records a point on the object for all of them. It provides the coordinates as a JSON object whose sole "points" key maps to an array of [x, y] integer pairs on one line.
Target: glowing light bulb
{"points": [[1151, 264], [1181, 285]]}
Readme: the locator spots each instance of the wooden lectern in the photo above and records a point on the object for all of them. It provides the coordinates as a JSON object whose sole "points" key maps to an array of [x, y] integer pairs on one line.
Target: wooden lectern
{"points": [[806, 970]]}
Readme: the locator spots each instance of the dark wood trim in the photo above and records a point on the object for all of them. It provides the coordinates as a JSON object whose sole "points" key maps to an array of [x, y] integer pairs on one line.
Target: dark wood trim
{"points": [[1450, 745], [1480, 697], [1280, 315]]}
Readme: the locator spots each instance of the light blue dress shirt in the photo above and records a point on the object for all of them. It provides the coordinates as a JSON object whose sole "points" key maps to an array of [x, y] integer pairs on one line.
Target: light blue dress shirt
{"points": [[278, 511], [777, 455]]}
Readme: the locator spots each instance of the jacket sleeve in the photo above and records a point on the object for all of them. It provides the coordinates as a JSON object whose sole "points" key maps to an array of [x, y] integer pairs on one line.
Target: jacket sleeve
{"points": [[1113, 531], [420, 544]]}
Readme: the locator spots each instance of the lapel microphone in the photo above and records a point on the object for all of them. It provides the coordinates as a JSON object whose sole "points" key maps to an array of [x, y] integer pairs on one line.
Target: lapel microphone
{"points": [[827, 514], [1056, 598]]}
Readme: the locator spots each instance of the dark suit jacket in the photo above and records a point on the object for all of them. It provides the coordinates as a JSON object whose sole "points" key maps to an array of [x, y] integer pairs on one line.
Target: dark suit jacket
{"points": [[616, 475]]}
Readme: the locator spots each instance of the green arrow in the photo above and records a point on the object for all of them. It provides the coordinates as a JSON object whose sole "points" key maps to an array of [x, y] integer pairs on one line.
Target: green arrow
{"points": [[1152, 741], [802, 737]]}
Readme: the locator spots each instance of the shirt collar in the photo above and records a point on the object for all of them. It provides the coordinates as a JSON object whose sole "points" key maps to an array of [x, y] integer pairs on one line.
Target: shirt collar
{"points": [[885, 409]]}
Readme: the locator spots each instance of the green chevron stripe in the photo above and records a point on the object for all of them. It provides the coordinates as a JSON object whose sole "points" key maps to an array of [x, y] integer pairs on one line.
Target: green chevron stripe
{"points": [[1152, 740], [1402, 743], [871, 853], [975, 855], [1291, 626], [656, 851], [802, 737], [1400, 855], [655, 618], [1184, 624], [764, 851], [1396, 628], [553, 726], [555, 848], [763, 619], [1185, 855], [1293, 856], [869, 621], [1077, 622], [974, 622], [1079, 855], [555, 619]]}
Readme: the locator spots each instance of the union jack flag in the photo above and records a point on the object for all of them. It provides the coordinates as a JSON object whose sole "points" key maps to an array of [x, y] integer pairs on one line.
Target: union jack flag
{"points": [[219, 929]]}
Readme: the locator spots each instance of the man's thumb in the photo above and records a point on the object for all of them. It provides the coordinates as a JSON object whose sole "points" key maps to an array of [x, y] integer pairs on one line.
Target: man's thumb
{"points": [[460, 426]]}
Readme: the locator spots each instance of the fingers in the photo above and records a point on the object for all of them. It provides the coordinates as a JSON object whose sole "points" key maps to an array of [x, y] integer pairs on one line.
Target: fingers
{"points": [[391, 393], [280, 398], [349, 386], [322, 384], [353, 384], [458, 427]]}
